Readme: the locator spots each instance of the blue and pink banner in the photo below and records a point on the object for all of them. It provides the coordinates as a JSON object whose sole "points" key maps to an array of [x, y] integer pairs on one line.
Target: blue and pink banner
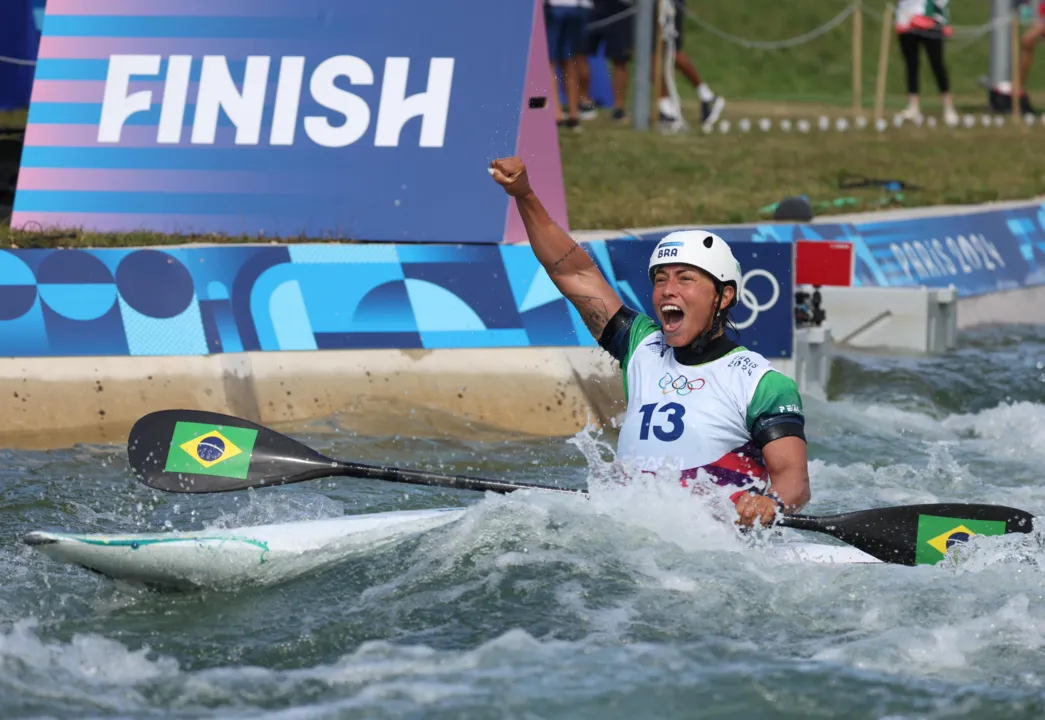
{"points": [[288, 118]]}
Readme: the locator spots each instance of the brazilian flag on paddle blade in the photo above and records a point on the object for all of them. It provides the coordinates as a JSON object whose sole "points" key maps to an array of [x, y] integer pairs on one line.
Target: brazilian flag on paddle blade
{"points": [[937, 534], [202, 449]]}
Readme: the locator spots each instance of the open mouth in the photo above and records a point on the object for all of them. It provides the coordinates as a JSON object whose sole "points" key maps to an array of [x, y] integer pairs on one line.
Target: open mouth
{"points": [[672, 315]]}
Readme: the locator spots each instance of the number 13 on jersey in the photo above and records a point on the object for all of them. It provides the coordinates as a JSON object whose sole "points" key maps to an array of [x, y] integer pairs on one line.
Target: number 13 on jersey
{"points": [[669, 427]]}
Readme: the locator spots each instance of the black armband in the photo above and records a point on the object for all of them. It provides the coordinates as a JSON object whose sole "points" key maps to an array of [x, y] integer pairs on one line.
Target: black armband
{"points": [[773, 427], [616, 336]]}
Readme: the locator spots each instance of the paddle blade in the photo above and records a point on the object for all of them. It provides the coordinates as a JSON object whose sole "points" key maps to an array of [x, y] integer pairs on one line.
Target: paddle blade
{"points": [[192, 451], [915, 534]]}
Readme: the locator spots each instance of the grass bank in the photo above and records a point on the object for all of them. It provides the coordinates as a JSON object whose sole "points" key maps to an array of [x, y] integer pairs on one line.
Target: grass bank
{"points": [[616, 178]]}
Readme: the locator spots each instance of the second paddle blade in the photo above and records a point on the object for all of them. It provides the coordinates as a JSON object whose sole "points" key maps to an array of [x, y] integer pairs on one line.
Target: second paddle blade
{"points": [[916, 534], [193, 451]]}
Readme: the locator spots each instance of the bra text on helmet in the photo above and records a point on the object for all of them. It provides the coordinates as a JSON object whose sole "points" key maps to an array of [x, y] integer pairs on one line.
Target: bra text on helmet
{"points": [[245, 108]]}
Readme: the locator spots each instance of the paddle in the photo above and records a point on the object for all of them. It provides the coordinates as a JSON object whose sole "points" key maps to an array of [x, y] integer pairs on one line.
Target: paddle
{"points": [[914, 534], [192, 451]]}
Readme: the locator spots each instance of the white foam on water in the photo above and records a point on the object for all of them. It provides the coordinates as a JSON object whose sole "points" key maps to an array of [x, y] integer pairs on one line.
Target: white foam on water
{"points": [[873, 417], [381, 679], [992, 456], [949, 646], [89, 669], [862, 485], [503, 533], [691, 517], [1014, 430]]}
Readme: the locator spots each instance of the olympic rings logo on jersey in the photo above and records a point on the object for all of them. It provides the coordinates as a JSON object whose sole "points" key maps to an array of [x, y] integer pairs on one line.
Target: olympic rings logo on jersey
{"points": [[749, 300], [681, 385]]}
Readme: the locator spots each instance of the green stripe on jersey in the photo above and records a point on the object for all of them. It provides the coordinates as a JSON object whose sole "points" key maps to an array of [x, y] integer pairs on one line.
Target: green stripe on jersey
{"points": [[776, 394], [641, 328]]}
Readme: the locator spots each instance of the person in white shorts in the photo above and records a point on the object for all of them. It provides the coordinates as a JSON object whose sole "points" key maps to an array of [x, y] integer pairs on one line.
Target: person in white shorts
{"points": [[697, 401]]}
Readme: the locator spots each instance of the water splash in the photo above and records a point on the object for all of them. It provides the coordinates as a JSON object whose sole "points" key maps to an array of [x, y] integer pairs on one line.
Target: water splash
{"points": [[1012, 429], [268, 508]]}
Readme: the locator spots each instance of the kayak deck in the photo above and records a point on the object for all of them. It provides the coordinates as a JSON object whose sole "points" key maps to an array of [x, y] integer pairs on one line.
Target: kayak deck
{"points": [[234, 557], [268, 554]]}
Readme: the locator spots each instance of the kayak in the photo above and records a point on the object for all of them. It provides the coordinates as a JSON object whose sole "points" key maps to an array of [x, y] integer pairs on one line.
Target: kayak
{"points": [[268, 554], [235, 557]]}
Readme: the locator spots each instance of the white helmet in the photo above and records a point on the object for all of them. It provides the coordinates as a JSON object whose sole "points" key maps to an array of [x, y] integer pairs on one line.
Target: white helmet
{"points": [[701, 249]]}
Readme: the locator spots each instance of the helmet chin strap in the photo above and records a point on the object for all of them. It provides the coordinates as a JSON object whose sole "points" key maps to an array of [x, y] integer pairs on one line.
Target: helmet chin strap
{"points": [[701, 341]]}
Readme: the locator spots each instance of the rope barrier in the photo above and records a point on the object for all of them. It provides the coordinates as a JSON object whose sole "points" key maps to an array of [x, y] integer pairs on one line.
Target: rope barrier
{"points": [[976, 31], [17, 61], [670, 35], [971, 33], [776, 44]]}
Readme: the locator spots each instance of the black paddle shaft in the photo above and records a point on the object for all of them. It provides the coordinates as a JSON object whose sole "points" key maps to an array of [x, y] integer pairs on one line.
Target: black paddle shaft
{"points": [[459, 482], [191, 451]]}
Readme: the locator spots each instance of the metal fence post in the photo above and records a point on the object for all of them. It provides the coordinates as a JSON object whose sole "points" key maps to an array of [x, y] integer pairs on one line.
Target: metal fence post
{"points": [[643, 69]]}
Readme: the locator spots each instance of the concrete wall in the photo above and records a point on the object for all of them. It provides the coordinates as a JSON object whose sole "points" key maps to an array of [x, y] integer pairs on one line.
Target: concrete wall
{"points": [[921, 320], [50, 402], [551, 392], [917, 319], [1026, 305]]}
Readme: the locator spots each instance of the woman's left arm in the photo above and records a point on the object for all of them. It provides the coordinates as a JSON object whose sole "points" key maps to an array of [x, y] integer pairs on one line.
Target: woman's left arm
{"points": [[788, 471]]}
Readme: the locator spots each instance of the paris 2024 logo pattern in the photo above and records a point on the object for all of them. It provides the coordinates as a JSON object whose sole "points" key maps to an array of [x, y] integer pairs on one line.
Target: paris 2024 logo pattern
{"points": [[224, 299]]}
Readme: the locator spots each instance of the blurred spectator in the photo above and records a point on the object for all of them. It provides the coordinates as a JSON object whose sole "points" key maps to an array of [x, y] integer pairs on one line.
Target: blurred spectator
{"points": [[589, 110], [925, 23], [1034, 34], [611, 24], [565, 21], [711, 105]]}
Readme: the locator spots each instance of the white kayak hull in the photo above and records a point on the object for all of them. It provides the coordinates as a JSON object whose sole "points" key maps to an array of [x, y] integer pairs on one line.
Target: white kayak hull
{"points": [[235, 557], [267, 554]]}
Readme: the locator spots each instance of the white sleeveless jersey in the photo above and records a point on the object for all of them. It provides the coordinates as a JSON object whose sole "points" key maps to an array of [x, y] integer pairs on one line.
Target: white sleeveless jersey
{"points": [[698, 417]]}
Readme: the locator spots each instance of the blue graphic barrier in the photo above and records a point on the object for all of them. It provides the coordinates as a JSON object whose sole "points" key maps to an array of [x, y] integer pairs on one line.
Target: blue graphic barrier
{"points": [[977, 253], [197, 301]]}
